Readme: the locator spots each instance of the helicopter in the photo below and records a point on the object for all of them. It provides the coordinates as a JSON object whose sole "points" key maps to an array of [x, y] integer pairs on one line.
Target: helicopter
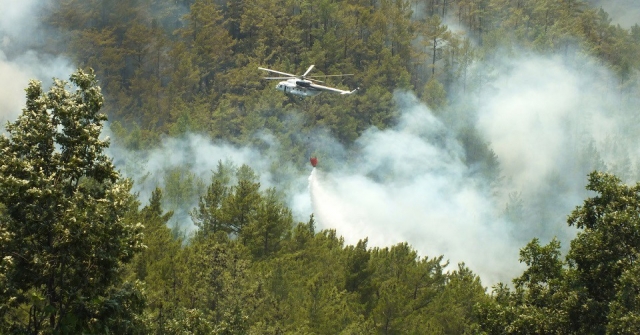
{"points": [[304, 86]]}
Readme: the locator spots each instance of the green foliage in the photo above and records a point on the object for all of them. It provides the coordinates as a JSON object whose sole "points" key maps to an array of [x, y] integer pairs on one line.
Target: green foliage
{"points": [[595, 290], [624, 314], [264, 233], [258, 219], [434, 95], [240, 207], [181, 187], [66, 225], [357, 272], [160, 61], [191, 66], [219, 282], [208, 216], [294, 280], [159, 265], [607, 245], [174, 67]]}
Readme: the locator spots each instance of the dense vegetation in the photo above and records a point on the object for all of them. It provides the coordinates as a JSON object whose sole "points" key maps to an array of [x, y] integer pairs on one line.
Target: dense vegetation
{"points": [[79, 255], [169, 66]]}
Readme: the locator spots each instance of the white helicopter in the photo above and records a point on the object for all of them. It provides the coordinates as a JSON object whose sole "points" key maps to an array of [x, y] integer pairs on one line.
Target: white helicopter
{"points": [[304, 86]]}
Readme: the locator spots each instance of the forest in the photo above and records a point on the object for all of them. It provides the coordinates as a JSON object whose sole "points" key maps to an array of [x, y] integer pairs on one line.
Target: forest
{"points": [[482, 180]]}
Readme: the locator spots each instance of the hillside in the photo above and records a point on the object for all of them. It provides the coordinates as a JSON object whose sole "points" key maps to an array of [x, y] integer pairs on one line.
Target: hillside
{"points": [[475, 133]]}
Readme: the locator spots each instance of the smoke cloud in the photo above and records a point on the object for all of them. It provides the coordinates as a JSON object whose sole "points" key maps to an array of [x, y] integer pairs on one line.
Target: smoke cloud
{"points": [[549, 120], [546, 118], [626, 13], [183, 168], [411, 183], [20, 39]]}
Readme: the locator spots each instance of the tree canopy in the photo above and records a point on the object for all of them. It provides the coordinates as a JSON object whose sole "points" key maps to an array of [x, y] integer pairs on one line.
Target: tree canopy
{"points": [[592, 291], [80, 254], [65, 224], [193, 64]]}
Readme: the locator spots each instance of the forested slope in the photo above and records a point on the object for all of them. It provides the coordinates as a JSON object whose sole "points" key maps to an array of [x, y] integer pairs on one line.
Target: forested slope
{"points": [[171, 65], [74, 258]]}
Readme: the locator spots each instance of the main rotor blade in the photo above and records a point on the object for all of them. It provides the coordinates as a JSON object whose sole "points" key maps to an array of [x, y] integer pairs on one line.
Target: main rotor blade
{"points": [[287, 78], [308, 70], [278, 72], [330, 75]]}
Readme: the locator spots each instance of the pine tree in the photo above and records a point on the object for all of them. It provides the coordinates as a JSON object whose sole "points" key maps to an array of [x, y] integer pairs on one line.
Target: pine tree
{"points": [[159, 263], [272, 221], [208, 215], [240, 206]]}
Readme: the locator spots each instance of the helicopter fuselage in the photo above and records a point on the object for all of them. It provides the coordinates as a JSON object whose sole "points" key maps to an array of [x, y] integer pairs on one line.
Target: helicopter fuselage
{"points": [[304, 86], [297, 87]]}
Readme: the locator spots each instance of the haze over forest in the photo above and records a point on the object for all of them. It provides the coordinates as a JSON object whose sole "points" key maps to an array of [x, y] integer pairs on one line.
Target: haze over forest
{"points": [[475, 130]]}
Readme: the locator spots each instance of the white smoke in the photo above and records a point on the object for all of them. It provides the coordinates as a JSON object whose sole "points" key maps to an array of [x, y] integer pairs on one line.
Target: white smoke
{"points": [[188, 162], [12, 94], [20, 37], [626, 13], [546, 119], [410, 183], [549, 121], [19, 19]]}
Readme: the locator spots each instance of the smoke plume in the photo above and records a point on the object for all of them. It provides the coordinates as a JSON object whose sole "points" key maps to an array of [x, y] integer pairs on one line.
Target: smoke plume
{"points": [[547, 119], [183, 168], [550, 121], [21, 39], [626, 13]]}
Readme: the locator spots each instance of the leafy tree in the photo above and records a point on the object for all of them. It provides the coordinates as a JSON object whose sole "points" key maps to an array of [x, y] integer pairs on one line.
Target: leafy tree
{"points": [[436, 36], [536, 305], [624, 316], [161, 61], [181, 187], [172, 67], [210, 42], [100, 49], [186, 321], [594, 290], [606, 247], [6, 262], [260, 221], [67, 217], [413, 295]]}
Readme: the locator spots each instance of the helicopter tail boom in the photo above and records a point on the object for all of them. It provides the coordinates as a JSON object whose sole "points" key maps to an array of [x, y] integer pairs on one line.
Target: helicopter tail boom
{"points": [[350, 92]]}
